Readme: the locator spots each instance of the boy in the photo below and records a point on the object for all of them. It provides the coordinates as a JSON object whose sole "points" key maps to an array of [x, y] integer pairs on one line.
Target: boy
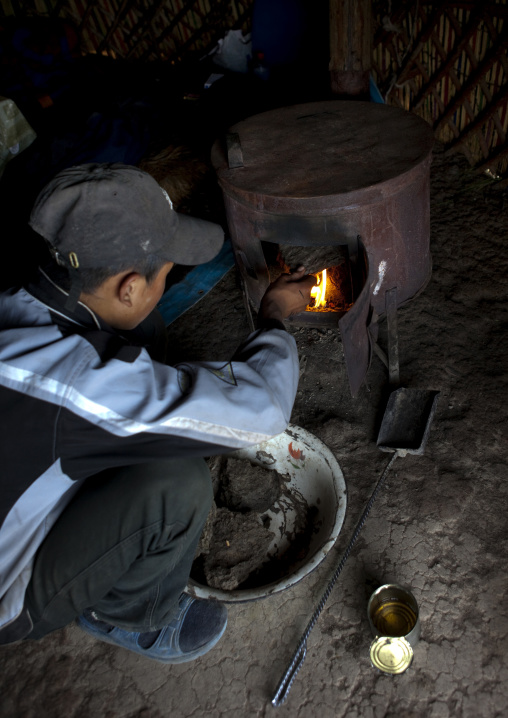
{"points": [[104, 490]]}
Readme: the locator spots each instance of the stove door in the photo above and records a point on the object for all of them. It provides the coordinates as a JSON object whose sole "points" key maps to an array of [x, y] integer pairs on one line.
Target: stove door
{"points": [[356, 340]]}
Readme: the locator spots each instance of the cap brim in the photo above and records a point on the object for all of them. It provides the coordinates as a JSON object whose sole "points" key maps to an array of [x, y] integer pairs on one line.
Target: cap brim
{"points": [[195, 241]]}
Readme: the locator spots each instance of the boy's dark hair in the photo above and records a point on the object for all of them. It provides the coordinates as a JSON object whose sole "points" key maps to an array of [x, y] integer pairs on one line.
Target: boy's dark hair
{"points": [[91, 278]]}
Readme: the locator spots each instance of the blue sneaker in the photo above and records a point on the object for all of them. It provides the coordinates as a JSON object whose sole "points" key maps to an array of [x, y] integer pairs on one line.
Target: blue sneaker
{"points": [[195, 629]]}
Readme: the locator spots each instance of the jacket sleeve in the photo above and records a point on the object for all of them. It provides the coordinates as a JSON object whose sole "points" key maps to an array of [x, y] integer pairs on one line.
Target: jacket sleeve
{"points": [[188, 408], [248, 399]]}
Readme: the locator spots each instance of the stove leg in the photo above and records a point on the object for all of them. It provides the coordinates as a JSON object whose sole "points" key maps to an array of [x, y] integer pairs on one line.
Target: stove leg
{"points": [[391, 361], [393, 337]]}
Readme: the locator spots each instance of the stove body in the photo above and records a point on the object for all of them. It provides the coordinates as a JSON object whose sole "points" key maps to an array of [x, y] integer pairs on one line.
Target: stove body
{"points": [[333, 173]]}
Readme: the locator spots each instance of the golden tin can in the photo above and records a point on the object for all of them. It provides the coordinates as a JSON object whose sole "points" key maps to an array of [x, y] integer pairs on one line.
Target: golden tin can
{"points": [[395, 622]]}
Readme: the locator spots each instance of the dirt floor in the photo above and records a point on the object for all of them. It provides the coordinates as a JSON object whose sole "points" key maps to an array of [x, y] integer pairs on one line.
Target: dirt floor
{"points": [[438, 525]]}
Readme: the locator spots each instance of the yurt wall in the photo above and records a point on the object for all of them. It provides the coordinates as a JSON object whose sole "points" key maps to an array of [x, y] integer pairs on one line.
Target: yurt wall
{"points": [[160, 30], [446, 61]]}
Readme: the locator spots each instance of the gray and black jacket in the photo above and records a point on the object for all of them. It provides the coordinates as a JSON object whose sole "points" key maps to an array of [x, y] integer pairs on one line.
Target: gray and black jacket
{"points": [[77, 398]]}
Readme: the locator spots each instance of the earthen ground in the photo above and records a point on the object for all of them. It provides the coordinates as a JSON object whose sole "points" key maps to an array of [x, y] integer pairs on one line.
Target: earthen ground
{"points": [[438, 526]]}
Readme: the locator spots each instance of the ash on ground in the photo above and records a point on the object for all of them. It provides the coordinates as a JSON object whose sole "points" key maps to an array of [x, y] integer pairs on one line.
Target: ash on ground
{"points": [[233, 551]]}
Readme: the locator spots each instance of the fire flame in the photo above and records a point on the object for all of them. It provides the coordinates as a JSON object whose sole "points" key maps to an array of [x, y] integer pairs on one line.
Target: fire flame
{"points": [[319, 290]]}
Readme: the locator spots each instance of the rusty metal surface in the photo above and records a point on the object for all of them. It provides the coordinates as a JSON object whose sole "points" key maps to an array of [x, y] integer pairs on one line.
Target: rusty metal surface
{"points": [[249, 256], [335, 172], [332, 172], [317, 155]]}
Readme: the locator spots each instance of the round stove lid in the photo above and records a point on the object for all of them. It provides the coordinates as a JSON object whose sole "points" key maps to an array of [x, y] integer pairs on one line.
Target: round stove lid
{"points": [[323, 148]]}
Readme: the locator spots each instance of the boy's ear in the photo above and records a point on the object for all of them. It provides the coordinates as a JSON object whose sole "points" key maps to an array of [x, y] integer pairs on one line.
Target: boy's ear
{"points": [[128, 287]]}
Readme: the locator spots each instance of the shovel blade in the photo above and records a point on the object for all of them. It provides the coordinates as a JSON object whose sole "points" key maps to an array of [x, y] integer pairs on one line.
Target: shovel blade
{"points": [[407, 419]]}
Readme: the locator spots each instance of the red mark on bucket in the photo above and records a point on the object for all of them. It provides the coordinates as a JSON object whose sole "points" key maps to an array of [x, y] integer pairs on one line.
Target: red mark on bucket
{"points": [[295, 453]]}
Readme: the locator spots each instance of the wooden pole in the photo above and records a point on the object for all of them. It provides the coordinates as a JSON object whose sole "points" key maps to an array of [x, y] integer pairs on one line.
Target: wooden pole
{"points": [[350, 47]]}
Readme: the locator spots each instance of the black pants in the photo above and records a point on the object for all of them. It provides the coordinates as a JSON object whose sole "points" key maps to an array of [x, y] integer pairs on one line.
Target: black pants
{"points": [[123, 546]]}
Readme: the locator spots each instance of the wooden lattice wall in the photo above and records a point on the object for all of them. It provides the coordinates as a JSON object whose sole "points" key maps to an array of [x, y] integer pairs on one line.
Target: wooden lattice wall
{"points": [[142, 29], [446, 61]]}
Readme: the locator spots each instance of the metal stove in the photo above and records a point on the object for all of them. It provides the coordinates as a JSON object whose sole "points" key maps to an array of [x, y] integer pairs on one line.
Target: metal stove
{"points": [[346, 173]]}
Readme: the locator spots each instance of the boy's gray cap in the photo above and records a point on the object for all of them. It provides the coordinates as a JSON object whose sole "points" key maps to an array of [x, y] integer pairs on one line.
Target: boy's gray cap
{"points": [[102, 215]]}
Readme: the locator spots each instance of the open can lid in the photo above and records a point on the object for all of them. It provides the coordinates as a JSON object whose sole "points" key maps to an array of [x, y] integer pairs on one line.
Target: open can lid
{"points": [[391, 655]]}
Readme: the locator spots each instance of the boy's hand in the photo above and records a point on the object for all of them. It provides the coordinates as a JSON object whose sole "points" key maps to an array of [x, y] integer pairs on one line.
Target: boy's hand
{"points": [[288, 295]]}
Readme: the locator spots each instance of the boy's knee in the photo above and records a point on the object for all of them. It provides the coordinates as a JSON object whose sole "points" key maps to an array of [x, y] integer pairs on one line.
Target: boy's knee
{"points": [[186, 484], [171, 490], [198, 482]]}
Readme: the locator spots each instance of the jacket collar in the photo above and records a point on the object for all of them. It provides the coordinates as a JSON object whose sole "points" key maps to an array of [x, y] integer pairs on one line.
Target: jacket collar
{"points": [[47, 287]]}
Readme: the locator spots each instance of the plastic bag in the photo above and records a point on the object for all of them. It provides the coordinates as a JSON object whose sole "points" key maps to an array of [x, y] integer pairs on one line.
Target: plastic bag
{"points": [[234, 51], [15, 132]]}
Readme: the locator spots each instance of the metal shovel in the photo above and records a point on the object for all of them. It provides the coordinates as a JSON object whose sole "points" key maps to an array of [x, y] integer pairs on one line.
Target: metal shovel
{"points": [[404, 430]]}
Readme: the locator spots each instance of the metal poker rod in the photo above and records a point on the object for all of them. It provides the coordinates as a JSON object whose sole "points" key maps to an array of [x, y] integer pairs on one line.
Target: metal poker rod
{"points": [[301, 651]]}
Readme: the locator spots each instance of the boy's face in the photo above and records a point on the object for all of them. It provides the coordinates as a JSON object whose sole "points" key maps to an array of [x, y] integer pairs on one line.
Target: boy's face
{"points": [[126, 299]]}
